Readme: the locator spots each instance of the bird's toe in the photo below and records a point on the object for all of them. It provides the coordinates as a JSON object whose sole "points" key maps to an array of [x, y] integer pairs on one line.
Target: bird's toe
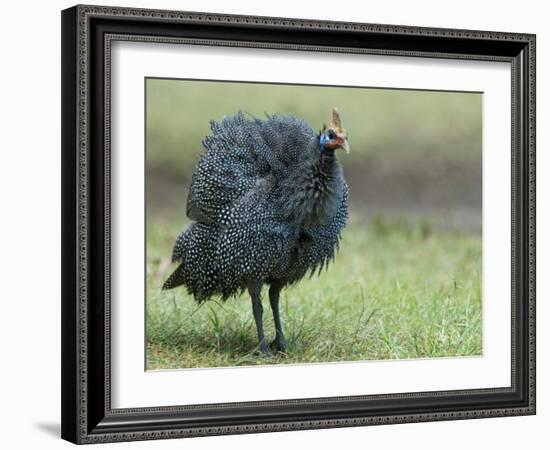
{"points": [[278, 345]]}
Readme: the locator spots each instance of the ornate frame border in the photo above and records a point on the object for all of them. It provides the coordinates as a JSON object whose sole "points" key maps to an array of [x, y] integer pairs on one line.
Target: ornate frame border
{"points": [[79, 418]]}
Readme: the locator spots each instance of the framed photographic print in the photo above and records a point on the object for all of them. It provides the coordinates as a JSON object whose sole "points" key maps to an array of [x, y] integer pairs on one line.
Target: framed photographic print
{"points": [[279, 224]]}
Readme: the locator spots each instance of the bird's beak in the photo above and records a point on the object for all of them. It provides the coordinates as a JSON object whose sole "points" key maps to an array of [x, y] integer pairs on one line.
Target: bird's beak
{"points": [[345, 146]]}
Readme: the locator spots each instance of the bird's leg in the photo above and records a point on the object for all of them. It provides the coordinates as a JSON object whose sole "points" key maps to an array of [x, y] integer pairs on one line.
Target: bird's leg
{"points": [[255, 289], [279, 343]]}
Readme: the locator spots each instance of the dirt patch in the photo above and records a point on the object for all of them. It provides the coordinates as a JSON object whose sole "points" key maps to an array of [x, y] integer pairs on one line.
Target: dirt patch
{"points": [[449, 198]]}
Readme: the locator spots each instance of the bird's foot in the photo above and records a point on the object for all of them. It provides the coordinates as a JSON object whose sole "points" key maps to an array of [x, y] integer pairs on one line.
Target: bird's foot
{"points": [[279, 345], [263, 351]]}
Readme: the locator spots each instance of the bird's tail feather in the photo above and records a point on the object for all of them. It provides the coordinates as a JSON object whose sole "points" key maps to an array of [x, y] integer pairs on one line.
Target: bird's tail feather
{"points": [[174, 280]]}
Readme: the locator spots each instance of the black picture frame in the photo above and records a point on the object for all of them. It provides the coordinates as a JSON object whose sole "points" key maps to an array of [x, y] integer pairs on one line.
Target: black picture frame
{"points": [[87, 416]]}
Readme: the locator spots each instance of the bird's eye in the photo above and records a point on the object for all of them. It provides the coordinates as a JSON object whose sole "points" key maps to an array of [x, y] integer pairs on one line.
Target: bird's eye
{"points": [[331, 135]]}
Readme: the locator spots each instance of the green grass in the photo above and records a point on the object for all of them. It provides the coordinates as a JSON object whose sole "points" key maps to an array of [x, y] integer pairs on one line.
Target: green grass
{"points": [[396, 290]]}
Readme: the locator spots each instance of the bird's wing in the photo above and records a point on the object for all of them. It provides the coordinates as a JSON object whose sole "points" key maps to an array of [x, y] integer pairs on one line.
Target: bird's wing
{"points": [[226, 171], [238, 155], [325, 238], [254, 241]]}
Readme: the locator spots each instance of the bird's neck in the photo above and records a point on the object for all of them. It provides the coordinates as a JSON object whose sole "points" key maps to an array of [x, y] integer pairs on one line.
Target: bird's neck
{"points": [[311, 195], [327, 158], [327, 169], [324, 188]]}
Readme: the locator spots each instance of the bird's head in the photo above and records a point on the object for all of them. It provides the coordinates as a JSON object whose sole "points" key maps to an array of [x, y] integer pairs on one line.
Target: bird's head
{"points": [[334, 136]]}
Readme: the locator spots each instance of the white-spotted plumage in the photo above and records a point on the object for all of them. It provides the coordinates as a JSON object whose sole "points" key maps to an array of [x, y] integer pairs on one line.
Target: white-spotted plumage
{"points": [[267, 205]]}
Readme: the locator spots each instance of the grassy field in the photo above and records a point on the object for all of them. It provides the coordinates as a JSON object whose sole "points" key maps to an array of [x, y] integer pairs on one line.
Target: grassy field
{"points": [[406, 285], [396, 290]]}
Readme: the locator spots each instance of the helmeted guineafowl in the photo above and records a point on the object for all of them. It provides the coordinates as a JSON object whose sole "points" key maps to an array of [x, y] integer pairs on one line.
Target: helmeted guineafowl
{"points": [[269, 202]]}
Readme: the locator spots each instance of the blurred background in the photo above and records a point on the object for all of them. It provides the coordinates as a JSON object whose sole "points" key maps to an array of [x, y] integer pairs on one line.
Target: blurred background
{"points": [[414, 154], [406, 282]]}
